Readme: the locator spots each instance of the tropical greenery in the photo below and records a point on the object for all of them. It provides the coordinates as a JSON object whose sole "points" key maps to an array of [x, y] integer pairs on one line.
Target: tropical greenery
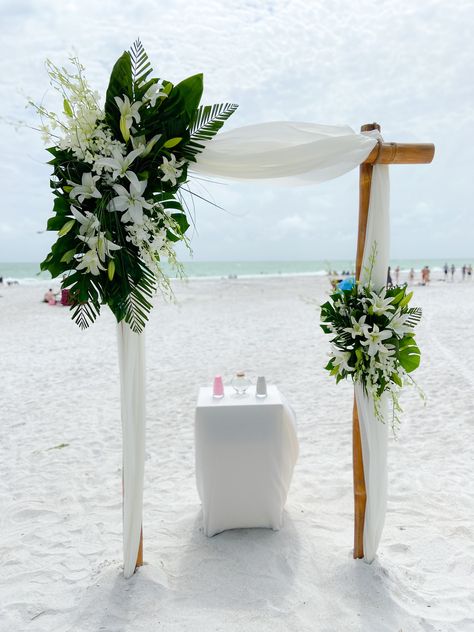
{"points": [[373, 338], [118, 174]]}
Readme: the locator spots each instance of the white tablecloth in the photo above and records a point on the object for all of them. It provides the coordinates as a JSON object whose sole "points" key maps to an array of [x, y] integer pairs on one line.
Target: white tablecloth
{"points": [[246, 449]]}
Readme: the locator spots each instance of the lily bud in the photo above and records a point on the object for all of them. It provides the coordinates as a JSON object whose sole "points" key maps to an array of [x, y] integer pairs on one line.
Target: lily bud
{"points": [[111, 269], [124, 129]]}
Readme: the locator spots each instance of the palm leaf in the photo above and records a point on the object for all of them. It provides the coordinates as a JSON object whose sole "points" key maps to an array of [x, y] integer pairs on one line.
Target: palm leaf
{"points": [[138, 302], [85, 314], [414, 318], [207, 121], [141, 66]]}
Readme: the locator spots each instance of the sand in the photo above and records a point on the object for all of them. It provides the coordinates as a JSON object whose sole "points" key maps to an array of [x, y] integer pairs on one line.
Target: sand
{"points": [[60, 473]]}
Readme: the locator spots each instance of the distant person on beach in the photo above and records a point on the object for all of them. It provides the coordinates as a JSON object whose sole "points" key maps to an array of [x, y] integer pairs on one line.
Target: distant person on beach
{"points": [[397, 275], [425, 275], [1, 280], [469, 272], [463, 270], [453, 270], [49, 297], [389, 278], [446, 270], [411, 275]]}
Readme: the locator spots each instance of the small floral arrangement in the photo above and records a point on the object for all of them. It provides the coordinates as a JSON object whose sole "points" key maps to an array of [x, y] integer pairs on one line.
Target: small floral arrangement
{"points": [[119, 173], [373, 339]]}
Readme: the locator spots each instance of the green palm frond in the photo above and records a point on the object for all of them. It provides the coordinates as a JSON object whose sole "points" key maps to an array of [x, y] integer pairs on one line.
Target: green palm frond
{"points": [[141, 67], [84, 314], [414, 318], [138, 302], [207, 121]]}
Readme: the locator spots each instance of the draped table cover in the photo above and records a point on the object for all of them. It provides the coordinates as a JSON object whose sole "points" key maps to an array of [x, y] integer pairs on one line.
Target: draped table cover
{"points": [[283, 153], [246, 449]]}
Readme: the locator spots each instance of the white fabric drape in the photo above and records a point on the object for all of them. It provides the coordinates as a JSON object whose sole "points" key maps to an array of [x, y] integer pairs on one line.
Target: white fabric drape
{"points": [[131, 352], [289, 153], [285, 152], [374, 432]]}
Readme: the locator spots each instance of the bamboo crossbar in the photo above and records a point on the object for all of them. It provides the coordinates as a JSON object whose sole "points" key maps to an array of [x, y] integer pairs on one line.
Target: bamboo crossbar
{"points": [[401, 154]]}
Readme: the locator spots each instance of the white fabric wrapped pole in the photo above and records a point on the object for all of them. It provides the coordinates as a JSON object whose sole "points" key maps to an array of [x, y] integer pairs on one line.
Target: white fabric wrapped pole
{"points": [[374, 432], [285, 152], [131, 351]]}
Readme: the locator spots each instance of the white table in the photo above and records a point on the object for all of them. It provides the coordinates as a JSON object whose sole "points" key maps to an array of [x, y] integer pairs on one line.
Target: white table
{"points": [[246, 449]]}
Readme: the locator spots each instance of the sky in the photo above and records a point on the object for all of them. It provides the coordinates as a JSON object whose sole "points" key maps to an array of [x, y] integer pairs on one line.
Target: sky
{"points": [[407, 65]]}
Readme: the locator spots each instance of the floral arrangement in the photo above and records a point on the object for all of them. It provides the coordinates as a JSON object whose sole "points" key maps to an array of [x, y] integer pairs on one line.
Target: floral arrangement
{"points": [[119, 173], [373, 339]]}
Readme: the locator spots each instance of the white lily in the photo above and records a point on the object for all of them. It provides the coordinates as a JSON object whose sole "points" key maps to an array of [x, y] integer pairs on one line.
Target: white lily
{"points": [[375, 340], [128, 112], [154, 92], [341, 359], [86, 189], [139, 143], [132, 201], [359, 328], [90, 263], [171, 169], [398, 324], [380, 304], [101, 244], [89, 224], [119, 164]]}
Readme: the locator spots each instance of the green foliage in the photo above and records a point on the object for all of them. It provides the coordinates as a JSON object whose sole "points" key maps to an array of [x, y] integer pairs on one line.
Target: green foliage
{"points": [[120, 84], [207, 121], [372, 338], [99, 255]]}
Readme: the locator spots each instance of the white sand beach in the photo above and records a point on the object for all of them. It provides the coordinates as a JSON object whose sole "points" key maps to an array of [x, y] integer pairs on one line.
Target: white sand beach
{"points": [[60, 473]]}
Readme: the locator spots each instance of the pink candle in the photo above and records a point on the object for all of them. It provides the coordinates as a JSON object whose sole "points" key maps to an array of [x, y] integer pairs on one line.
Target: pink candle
{"points": [[218, 388]]}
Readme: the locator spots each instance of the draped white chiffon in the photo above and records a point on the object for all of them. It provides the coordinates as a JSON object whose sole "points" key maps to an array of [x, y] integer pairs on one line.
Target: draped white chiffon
{"points": [[373, 431], [284, 153], [131, 352]]}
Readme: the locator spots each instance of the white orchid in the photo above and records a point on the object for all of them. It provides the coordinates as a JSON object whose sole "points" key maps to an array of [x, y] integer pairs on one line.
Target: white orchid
{"points": [[154, 92], [87, 189], [131, 201], [374, 340], [359, 327], [341, 359], [379, 303], [89, 223], [90, 263], [398, 324], [128, 113], [119, 164], [171, 169]]}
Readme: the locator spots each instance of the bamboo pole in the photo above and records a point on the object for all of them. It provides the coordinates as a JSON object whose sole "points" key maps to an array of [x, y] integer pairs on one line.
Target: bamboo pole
{"points": [[140, 551], [360, 495]]}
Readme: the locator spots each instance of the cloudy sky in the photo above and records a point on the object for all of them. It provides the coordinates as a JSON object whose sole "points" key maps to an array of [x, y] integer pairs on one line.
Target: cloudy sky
{"points": [[407, 65]]}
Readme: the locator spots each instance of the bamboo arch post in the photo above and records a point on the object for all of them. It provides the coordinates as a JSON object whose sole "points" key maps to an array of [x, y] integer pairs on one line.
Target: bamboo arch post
{"points": [[383, 153]]}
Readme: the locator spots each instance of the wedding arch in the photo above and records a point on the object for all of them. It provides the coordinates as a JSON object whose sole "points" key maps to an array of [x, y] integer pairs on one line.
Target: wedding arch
{"points": [[117, 210]]}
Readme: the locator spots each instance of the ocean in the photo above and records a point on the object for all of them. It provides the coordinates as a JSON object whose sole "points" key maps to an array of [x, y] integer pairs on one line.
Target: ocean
{"points": [[28, 273]]}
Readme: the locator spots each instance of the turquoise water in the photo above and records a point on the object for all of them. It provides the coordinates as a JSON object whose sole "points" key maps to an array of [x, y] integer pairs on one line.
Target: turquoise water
{"points": [[28, 273]]}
